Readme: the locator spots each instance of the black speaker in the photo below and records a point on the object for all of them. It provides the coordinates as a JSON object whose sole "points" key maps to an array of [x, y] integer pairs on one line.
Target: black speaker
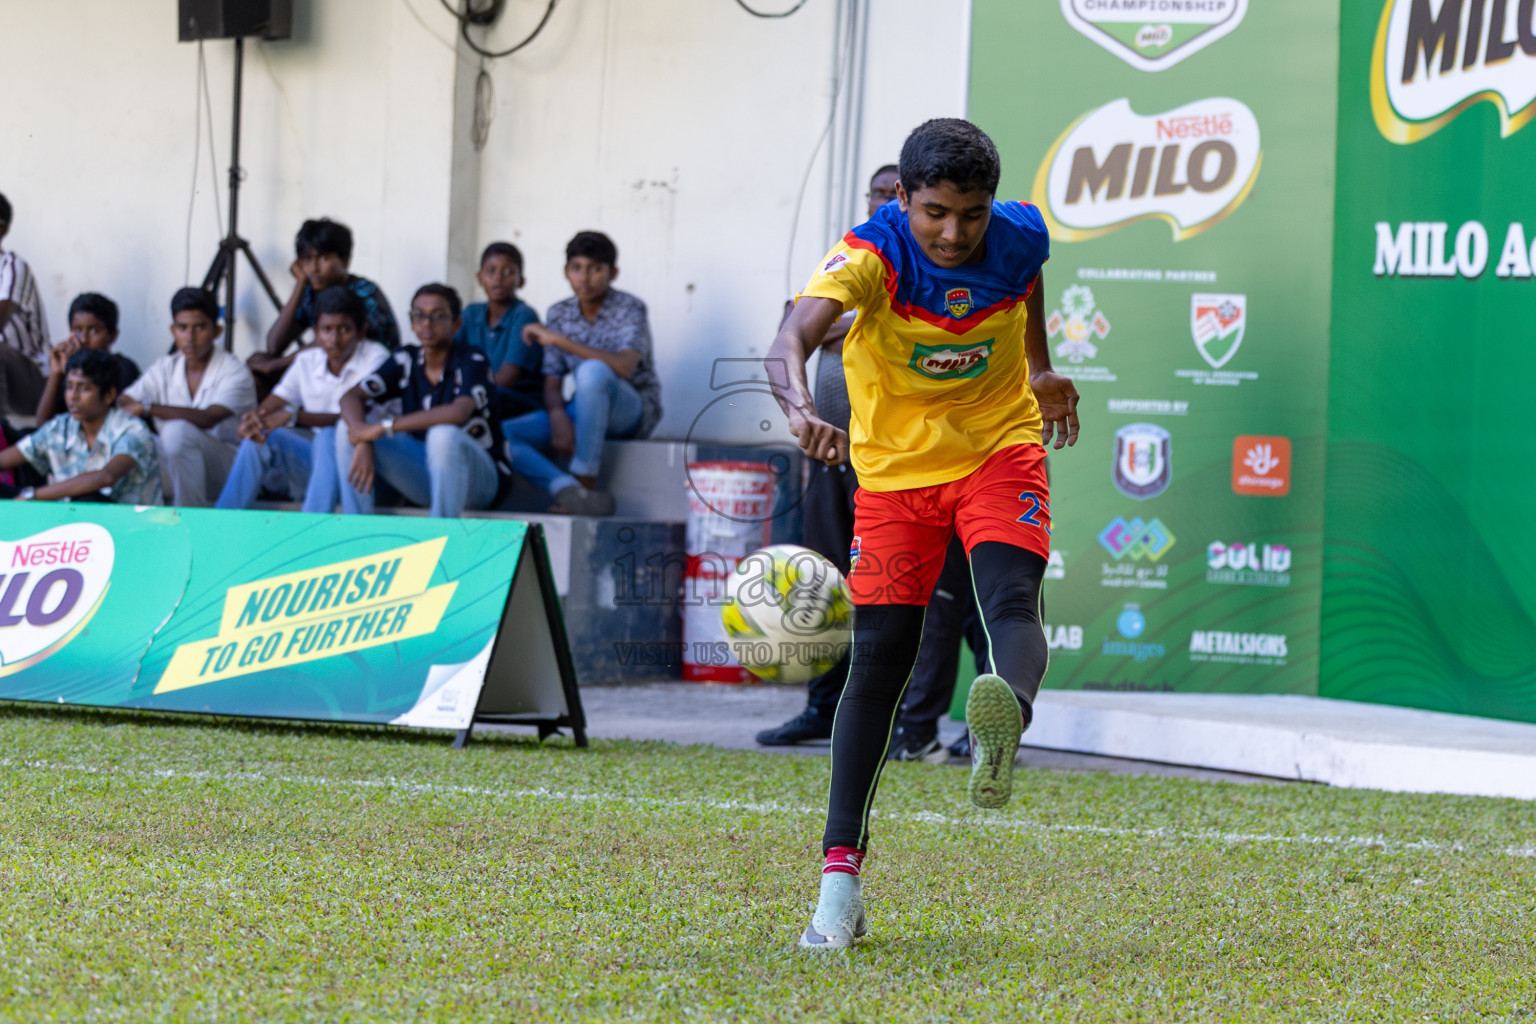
{"points": [[231, 19]]}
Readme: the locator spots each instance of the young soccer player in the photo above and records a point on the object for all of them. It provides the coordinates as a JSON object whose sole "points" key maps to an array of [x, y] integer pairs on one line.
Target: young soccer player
{"points": [[323, 251], [92, 324], [495, 327], [293, 429], [94, 452], [953, 401], [195, 396], [602, 338], [445, 450]]}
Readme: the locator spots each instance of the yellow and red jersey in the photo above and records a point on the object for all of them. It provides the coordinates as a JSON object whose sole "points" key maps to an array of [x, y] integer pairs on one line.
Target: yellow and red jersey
{"points": [[935, 364]]}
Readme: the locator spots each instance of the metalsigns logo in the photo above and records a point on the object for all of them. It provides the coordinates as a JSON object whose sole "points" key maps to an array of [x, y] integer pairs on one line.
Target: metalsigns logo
{"points": [[1218, 323], [1190, 166], [1063, 638], [1078, 323], [1434, 60], [948, 362], [51, 583], [1151, 35], [1143, 460], [1237, 648]]}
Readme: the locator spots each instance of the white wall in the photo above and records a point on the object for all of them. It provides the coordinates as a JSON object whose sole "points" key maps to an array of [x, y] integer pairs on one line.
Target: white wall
{"points": [[683, 128]]}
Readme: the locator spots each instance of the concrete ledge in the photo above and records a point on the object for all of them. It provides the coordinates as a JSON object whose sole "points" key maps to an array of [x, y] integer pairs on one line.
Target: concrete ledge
{"points": [[1311, 739]]}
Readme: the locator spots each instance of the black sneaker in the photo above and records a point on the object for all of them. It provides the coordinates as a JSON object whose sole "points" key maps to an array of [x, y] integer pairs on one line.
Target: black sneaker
{"points": [[807, 725], [961, 747], [906, 747]]}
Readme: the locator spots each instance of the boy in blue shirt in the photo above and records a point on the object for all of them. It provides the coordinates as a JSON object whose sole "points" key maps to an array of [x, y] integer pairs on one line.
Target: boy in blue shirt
{"points": [[495, 327]]}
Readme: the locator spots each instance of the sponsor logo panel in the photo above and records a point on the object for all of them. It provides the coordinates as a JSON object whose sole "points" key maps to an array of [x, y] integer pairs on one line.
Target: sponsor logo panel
{"points": [[1261, 465], [1432, 61], [1130, 625], [1190, 166], [1248, 564], [1151, 35], [1128, 542], [1238, 648], [1143, 460], [51, 585], [1079, 324]]}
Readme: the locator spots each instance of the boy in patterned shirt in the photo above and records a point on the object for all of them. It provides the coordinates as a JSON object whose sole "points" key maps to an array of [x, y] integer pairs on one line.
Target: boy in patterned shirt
{"points": [[94, 452], [602, 338]]}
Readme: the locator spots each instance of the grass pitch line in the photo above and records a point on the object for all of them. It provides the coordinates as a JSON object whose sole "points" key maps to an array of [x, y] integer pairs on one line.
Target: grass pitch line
{"points": [[932, 818]]}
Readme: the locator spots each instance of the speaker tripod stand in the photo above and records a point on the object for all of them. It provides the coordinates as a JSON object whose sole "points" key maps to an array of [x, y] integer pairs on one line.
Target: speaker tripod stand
{"points": [[222, 269]]}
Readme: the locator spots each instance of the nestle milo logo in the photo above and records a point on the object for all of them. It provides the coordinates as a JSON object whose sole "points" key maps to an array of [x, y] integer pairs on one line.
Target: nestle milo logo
{"points": [[951, 362], [51, 584]]}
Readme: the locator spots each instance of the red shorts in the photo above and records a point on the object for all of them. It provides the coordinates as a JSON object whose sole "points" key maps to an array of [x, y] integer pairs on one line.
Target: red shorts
{"points": [[899, 537]]}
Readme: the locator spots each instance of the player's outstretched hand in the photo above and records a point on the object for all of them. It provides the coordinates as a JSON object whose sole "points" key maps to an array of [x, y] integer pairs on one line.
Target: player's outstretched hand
{"points": [[1057, 396], [820, 439]]}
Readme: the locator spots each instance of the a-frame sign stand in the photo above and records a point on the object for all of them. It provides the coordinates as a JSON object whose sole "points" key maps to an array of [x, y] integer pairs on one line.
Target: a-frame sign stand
{"points": [[531, 679]]}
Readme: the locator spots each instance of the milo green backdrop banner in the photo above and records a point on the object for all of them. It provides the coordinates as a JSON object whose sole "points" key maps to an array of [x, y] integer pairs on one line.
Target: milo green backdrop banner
{"points": [[387, 619], [1181, 152], [1429, 596]]}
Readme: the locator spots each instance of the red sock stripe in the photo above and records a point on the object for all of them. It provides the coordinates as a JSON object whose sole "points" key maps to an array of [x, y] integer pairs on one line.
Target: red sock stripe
{"points": [[843, 860]]}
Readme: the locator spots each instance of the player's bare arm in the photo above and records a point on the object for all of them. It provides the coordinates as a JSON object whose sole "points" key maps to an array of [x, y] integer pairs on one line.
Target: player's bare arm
{"points": [[1056, 394], [801, 334]]}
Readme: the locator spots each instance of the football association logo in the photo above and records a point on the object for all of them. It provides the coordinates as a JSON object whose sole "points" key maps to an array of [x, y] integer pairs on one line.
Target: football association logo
{"points": [[1428, 66], [1143, 461], [959, 301], [1217, 323], [1153, 36]]}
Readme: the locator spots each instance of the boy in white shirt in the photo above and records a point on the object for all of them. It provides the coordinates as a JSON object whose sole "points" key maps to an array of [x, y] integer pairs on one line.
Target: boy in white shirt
{"points": [[194, 396], [293, 429]]}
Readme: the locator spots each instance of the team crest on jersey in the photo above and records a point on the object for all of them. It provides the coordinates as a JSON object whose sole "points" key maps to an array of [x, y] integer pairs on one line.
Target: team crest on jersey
{"points": [[1143, 461], [951, 362], [959, 301], [835, 262]]}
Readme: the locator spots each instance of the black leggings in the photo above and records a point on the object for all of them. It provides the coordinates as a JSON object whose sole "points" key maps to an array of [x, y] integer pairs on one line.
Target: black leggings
{"points": [[1007, 580]]}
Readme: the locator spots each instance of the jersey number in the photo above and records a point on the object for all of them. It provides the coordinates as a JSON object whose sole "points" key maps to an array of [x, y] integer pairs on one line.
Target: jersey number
{"points": [[1033, 506]]}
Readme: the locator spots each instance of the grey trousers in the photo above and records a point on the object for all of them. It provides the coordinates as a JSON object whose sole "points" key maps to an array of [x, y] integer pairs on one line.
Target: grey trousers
{"points": [[21, 383]]}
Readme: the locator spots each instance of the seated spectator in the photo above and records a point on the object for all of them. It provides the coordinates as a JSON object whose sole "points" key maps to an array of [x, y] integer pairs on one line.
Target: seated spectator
{"points": [[293, 431], [603, 339], [495, 327], [23, 330], [94, 452], [445, 450], [324, 250], [93, 325], [194, 396]]}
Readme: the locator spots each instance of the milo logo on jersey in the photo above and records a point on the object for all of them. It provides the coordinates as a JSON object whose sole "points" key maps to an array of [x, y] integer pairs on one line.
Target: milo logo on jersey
{"points": [[1434, 59], [1191, 166], [951, 362]]}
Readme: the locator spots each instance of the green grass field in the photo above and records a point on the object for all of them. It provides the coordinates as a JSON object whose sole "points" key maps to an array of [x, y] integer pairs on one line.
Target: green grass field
{"points": [[158, 869]]}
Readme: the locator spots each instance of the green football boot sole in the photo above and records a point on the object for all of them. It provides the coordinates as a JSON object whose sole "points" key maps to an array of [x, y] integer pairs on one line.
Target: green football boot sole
{"points": [[992, 713]]}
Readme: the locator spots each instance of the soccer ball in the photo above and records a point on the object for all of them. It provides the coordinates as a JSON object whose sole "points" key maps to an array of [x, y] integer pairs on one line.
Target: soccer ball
{"points": [[788, 614]]}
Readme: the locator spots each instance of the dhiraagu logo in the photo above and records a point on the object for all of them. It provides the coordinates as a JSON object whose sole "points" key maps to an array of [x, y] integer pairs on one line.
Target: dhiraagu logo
{"points": [[951, 362], [317, 613]]}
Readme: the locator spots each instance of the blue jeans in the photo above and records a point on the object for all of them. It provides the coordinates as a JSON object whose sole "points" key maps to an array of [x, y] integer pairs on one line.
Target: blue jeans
{"points": [[605, 405], [308, 464], [448, 472]]}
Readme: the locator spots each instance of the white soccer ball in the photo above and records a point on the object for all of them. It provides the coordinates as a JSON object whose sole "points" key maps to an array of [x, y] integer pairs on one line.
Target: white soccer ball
{"points": [[788, 614]]}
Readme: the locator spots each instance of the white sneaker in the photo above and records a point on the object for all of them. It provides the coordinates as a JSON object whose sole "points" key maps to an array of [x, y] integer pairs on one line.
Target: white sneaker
{"points": [[839, 917]]}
